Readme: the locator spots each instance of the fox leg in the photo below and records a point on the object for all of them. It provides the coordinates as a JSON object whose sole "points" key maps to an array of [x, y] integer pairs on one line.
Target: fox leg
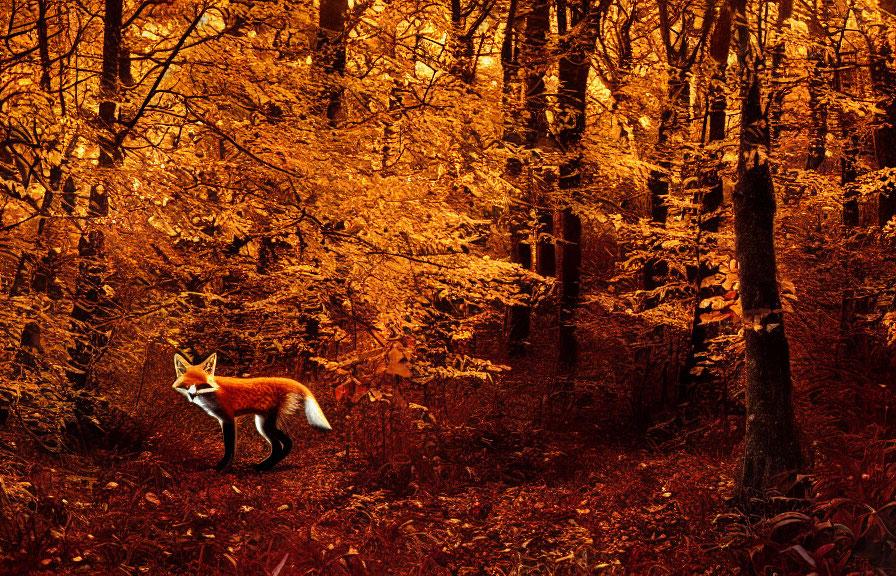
{"points": [[229, 431], [280, 443]]}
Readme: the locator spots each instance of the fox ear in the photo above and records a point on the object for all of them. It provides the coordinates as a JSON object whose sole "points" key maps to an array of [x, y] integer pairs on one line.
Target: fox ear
{"points": [[208, 366], [180, 365]]}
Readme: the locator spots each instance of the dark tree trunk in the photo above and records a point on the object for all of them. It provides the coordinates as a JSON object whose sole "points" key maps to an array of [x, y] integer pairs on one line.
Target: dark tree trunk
{"points": [[778, 82], [533, 59], [574, 67], [710, 200], [848, 174], [771, 447], [464, 65], [520, 252], [89, 310], [331, 53], [818, 128], [43, 44], [109, 81], [546, 256], [570, 269], [525, 62], [883, 78], [510, 90], [850, 155]]}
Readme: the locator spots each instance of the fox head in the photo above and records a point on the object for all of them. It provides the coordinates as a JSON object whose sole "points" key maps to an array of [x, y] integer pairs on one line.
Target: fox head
{"points": [[194, 380]]}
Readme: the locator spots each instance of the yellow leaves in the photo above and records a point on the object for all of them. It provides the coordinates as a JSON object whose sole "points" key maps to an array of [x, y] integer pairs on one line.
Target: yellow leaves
{"points": [[729, 271], [462, 334], [396, 361], [890, 324]]}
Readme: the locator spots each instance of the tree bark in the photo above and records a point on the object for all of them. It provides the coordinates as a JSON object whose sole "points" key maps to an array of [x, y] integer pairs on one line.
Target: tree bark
{"points": [[43, 44], [818, 127], [525, 63], [534, 61], [883, 78], [778, 82], [90, 307], [710, 200], [574, 67], [331, 53], [109, 81], [771, 447]]}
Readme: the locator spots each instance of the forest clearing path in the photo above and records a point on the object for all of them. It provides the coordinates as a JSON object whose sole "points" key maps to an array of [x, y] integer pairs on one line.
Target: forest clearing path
{"points": [[548, 504]]}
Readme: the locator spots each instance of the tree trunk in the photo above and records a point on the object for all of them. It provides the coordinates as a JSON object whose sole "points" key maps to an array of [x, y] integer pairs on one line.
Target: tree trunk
{"points": [[546, 255], [574, 67], [109, 81], [90, 307], [771, 447], [680, 57], [818, 128], [43, 45], [884, 79], [850, 156], [778, 81], [710, 200], [524, 66], [534, 61], [331, 52]]}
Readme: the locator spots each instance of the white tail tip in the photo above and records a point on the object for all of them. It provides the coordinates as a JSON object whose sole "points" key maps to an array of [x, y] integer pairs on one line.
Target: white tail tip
{"points": [[315, 415]]}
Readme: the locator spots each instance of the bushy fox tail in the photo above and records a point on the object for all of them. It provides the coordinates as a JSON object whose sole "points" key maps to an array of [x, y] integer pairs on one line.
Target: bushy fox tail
{"points": [[315, 415], [313, 412]]}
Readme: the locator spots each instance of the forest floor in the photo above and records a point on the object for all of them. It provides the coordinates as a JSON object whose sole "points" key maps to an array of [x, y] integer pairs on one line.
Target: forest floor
{"points": [[544, 502]]}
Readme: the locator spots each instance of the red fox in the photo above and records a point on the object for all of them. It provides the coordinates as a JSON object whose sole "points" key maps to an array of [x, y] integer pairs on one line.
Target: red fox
{"points": [[225, 398]]}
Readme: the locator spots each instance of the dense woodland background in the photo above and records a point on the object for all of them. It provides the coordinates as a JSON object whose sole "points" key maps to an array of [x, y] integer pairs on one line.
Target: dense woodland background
{"points": [[524, 251]]}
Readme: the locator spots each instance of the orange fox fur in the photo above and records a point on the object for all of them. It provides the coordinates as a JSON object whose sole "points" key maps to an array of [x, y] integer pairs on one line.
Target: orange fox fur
{"points": [[226, 398]]}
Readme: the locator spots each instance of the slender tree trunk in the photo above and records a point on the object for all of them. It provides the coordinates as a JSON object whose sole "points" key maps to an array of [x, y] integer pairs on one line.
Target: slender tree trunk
{"points": [[778, 81], [574, 67], [771, 447], [883, 78], [464, 65], [849, 159], [680, 57], [510, 90], [90, 307], [818, 127], [526, 58], [710, 200], [533, 59], [520, 251], [546, 255], [43, 44], [331, 53], [109, 81]]}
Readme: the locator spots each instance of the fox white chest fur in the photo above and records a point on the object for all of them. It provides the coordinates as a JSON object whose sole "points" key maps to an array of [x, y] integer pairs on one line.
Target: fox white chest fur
{"points": [[209, 403]]}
